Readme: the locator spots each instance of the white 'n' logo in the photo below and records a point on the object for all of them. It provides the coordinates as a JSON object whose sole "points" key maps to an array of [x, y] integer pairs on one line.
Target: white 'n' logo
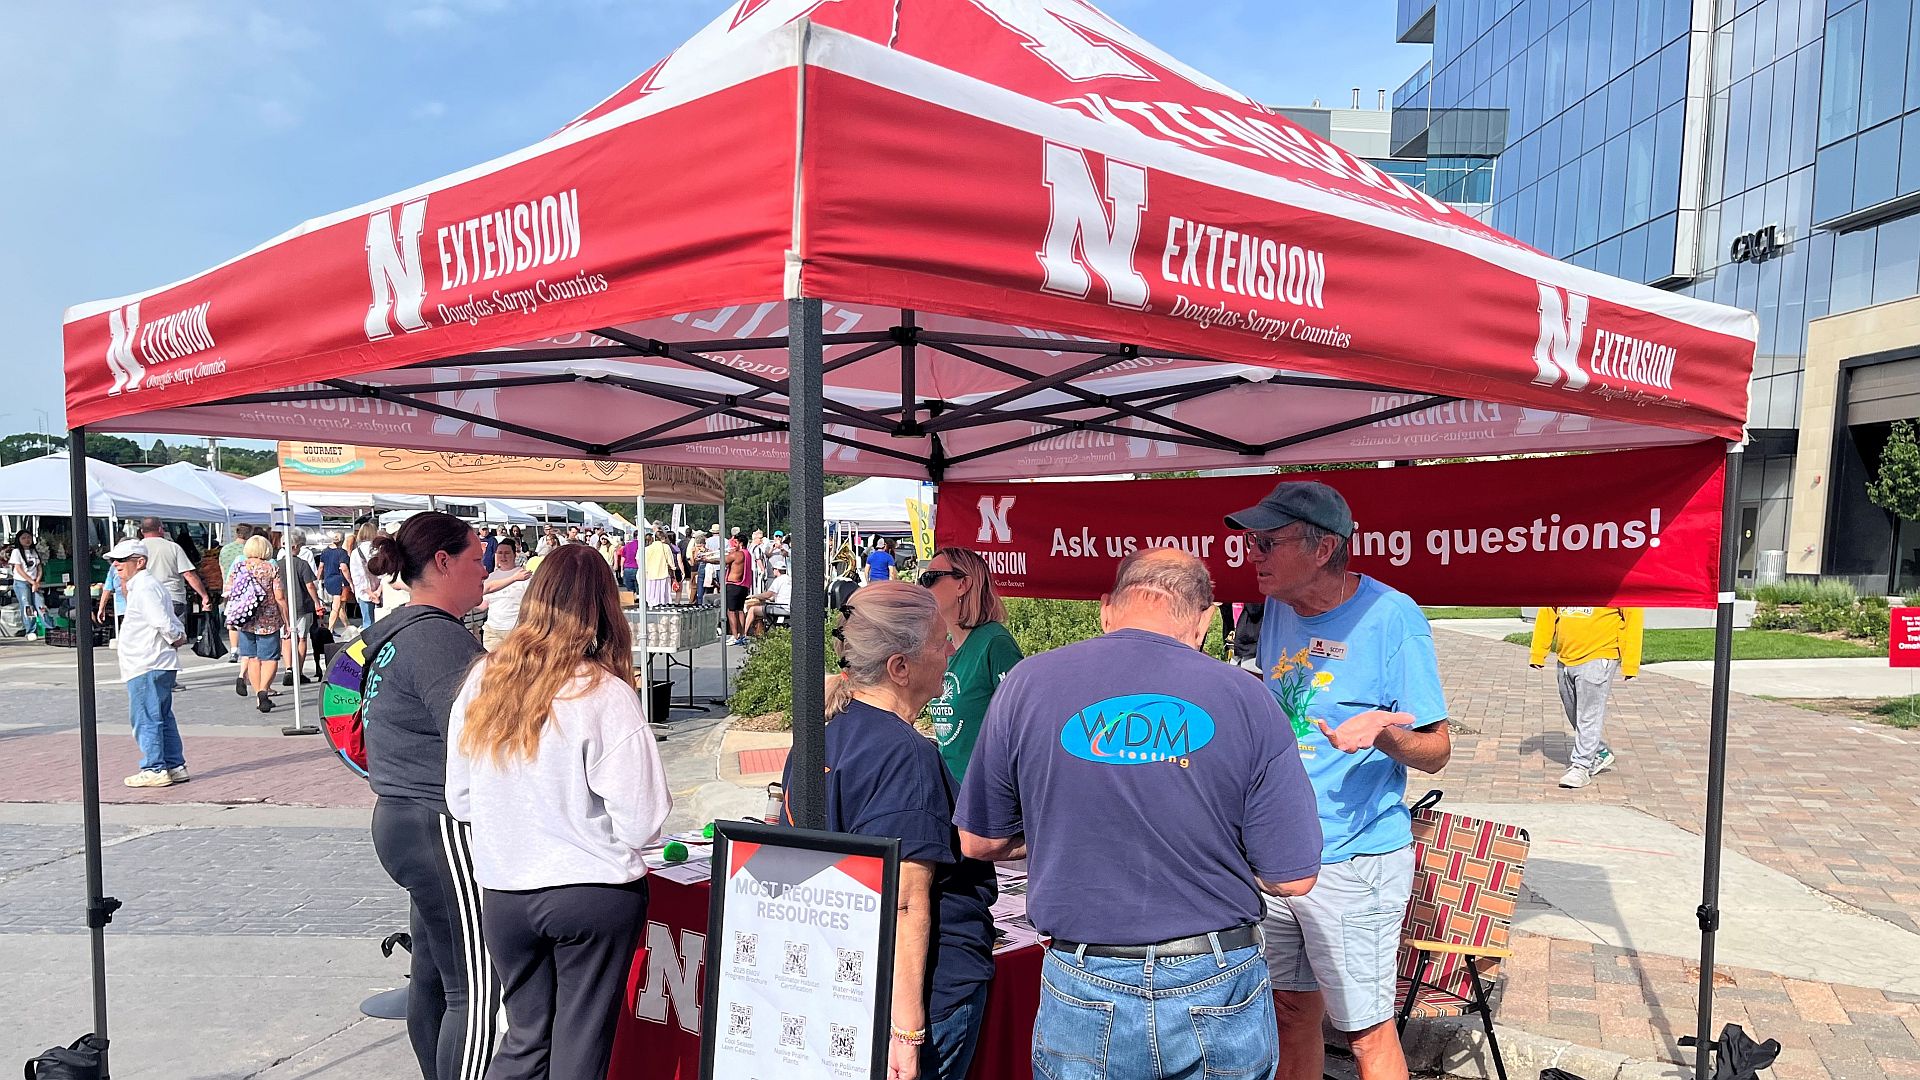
{"points": [[1088, 233], [123, 323], [1563, 329], [1062, 45], [993, 520], [479, 400], [395, 272], [673, 977]]}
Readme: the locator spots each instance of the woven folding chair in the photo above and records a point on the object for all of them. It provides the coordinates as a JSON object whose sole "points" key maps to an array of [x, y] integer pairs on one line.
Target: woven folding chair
{"points": [[1466, 880]]}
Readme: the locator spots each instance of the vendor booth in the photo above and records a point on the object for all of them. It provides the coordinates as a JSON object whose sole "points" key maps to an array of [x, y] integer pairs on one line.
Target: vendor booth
{"points": [[945, 241]]}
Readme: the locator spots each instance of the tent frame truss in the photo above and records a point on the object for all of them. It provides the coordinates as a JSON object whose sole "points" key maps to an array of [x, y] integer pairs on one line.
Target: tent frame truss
{"points": [[767, 406]]}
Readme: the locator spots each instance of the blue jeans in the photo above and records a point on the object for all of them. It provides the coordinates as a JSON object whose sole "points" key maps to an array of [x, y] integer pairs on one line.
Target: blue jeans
{"points": [[1186, 1016], [150, 700], [630, 578], [948, 1052], [366, 614], [30, 602]]}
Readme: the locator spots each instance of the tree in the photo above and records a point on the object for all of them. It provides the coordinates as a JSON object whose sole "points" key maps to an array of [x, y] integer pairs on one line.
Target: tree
{"points": [[27, 445], [1895, 487], [114, 450]]}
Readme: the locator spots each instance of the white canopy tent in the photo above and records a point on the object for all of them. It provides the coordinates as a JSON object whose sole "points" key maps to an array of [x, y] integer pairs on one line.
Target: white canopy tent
{"points": [[341, 503], [243, 501], [876, 505], [40, 486], [607, 518], [548, 509], [497, 511]]}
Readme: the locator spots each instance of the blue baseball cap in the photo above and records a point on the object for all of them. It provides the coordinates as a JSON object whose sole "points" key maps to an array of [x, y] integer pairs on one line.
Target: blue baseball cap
{"points": [[1297, 500]]}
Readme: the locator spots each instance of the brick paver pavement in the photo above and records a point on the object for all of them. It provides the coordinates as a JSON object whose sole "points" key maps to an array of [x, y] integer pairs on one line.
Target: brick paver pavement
{"points": [[297, 770], [1826, 800]]}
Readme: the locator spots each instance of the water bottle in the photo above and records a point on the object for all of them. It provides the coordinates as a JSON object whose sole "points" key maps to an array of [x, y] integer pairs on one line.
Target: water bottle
{"points": [[775, 797]]}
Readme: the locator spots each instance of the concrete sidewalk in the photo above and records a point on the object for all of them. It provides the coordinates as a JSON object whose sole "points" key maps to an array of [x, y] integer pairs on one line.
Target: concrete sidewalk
{"points": [[1847, 677]]}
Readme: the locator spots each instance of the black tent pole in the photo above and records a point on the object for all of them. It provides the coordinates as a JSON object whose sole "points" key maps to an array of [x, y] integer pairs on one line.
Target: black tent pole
{"points": [[100, 908], [1708, 913], [806, 518]]}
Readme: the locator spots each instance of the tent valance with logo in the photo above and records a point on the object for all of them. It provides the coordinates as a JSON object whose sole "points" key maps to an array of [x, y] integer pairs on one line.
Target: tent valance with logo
{"points": [[930, 239]]}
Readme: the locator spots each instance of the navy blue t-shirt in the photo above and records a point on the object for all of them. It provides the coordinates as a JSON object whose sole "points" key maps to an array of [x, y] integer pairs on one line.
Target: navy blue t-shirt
{"points": [[333, 570], [1153, 783], [886, 779]]}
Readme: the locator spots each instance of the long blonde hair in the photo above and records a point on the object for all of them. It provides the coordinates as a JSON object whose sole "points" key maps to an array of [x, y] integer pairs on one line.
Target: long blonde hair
{"points": [[570, 621], [884, 620]]}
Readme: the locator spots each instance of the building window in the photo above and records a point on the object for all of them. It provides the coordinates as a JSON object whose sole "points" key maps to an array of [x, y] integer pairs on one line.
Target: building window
{"points": [[1840, 74]]}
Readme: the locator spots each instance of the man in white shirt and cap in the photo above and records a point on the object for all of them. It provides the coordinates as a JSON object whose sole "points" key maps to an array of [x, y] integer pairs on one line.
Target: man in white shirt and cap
{"points": [[150, 634]]}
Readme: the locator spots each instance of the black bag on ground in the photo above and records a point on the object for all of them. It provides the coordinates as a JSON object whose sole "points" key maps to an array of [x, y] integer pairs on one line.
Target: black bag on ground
{"points": [[212, 642], [81, 1061]]}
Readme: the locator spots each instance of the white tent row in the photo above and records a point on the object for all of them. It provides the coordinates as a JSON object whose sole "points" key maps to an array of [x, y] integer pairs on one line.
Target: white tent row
{"points": [[341, 503], [242, 501], [40, 486], [492, 511]]}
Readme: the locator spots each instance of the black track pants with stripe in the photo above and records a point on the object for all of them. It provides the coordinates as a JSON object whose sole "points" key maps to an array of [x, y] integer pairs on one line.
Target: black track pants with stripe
{"points": [[453, 998]]}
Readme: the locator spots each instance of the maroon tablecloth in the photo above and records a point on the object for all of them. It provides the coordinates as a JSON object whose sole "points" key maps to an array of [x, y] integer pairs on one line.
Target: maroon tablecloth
{"points": [[666, 1044]]}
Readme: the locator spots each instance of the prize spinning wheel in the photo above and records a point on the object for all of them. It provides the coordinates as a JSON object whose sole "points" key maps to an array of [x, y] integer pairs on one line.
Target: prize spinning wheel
{"points": [[340, 705]]}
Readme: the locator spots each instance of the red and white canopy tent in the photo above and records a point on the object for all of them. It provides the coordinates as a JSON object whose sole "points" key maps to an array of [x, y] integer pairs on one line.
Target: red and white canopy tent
{"points": [[945, 239]]}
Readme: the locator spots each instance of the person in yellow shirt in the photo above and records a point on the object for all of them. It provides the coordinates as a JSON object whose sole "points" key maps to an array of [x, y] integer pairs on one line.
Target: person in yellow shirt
{"points": [[1593, 644]]}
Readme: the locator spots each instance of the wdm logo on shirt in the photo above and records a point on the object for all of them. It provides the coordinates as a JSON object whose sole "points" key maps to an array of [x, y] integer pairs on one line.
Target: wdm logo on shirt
{"points": [[1137, 729]]}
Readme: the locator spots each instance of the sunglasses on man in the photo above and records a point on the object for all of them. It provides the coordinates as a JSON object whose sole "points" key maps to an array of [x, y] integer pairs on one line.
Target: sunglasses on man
{"points": [[928, 577], [1264, 543]]}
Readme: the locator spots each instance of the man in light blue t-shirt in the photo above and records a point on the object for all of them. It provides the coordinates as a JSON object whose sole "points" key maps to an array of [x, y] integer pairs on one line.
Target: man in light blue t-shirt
{"points": [[1352, 664]]}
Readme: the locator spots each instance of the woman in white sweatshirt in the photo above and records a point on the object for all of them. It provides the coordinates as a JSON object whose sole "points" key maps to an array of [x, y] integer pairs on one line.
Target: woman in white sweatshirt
{"points": [[550, 758]]}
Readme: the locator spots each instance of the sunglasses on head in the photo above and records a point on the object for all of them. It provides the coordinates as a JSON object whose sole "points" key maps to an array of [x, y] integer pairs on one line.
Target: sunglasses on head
{"points": [[928, 577]]}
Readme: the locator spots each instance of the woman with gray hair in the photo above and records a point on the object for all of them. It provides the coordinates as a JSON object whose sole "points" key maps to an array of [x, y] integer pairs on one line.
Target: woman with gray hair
{"points": [[885, 779]]}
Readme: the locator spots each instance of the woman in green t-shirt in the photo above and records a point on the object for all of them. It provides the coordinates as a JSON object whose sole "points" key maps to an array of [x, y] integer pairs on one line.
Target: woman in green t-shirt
{"points": [[983, 651]]}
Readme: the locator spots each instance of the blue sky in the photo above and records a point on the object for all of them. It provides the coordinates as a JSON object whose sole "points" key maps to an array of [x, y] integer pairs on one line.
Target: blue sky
{"points": [[147, 140]]}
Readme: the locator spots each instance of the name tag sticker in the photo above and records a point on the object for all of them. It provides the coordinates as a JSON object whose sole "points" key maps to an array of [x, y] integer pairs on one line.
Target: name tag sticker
{"points": [[1331, 650]]}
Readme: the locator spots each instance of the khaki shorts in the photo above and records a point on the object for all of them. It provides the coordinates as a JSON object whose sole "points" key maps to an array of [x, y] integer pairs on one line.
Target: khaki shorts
{"points": [[490, 638], [1343, 937]]}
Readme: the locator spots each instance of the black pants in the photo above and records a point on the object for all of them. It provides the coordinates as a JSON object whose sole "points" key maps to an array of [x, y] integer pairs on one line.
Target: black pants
{"points": [[563, 955], [453, 998]]}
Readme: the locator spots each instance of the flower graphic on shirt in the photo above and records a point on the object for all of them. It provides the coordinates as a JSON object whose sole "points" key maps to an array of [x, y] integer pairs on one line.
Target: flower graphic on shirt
{"points": [[1295, 684]]}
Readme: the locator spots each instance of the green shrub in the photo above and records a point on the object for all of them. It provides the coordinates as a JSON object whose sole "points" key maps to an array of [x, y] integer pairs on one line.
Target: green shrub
{"points": [[1769, 615], [1790, 591], [1834, 591], [765, 682], [1040, 625]]}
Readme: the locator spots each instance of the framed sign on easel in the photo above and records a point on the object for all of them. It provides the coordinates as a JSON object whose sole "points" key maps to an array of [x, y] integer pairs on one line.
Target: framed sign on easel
{"points": [[799, 953]]}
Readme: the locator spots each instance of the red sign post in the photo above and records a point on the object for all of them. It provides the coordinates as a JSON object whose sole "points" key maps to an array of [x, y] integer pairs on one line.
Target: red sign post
{"points": [[1903, 646]]}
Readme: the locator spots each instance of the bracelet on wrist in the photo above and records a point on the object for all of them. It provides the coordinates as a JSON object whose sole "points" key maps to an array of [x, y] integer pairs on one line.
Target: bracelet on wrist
{"points": [[909, 1038]]}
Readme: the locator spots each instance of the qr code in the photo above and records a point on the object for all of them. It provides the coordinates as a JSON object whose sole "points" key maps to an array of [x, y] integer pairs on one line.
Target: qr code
{"points": [[840, 1041], [793, 1030], [796, 962], [746, 950], [740, 1021], [847, 966]]}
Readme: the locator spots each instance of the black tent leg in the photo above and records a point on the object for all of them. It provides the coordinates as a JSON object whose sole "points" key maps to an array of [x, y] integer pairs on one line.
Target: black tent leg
{"points": [[99, 907], [805, 516], [1709, 910]]}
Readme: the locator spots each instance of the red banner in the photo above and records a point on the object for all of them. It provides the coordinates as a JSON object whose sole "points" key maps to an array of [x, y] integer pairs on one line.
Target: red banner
{"points": [[1638, 528]]}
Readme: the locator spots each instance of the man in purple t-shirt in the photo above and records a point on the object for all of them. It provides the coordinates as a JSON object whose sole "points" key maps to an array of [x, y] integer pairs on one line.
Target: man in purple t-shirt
{"points": [[1155, 793]]}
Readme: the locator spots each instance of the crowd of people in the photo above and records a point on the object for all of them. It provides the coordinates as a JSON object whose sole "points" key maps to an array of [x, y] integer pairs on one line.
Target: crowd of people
{"points": [[1218, 869], [1221, 859]]}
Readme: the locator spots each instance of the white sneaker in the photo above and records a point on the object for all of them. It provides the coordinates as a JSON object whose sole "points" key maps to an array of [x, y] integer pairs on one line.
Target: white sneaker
{"points": [[1603, 762], [1576, 777], [149, 778], [179, 775]]}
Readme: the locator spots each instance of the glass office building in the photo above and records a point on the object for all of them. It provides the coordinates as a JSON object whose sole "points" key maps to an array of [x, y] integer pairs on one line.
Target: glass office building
{"points": [[1759, 153]]}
